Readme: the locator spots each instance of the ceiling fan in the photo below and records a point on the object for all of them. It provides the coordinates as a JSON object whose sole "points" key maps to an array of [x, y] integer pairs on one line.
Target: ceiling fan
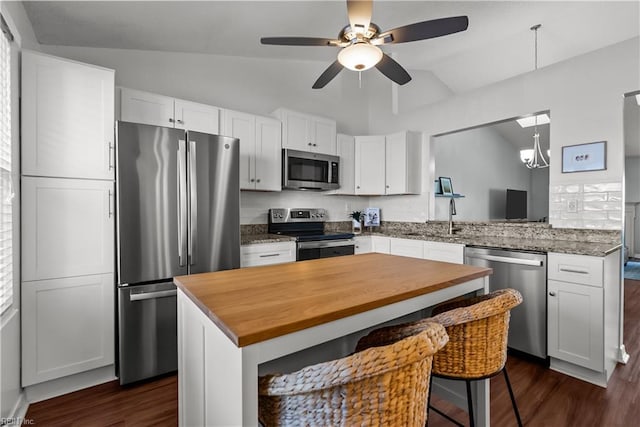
{"points": [[360, 40]]}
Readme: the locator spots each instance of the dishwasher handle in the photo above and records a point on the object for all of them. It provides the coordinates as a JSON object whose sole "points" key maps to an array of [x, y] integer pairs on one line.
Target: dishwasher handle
{"points": [[509, 260]]}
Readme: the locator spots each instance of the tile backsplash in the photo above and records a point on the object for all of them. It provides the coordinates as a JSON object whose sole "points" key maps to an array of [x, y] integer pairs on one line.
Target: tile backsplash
{"points": [[593, 206]]}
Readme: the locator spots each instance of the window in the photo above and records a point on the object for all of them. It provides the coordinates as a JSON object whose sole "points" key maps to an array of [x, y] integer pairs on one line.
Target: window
{"points": [[6, 186]]}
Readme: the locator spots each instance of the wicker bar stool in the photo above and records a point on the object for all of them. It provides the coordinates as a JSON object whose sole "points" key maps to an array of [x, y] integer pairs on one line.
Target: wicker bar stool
{"points": [[386, 386], [478, 330]]}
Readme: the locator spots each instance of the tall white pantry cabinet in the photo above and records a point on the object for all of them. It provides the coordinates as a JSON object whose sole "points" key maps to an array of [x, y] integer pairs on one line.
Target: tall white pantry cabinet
{"points": [[68, 161]]}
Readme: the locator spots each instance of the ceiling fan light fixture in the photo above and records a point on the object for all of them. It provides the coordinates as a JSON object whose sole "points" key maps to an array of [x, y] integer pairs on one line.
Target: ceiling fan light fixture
{"points": [[360, 56]]}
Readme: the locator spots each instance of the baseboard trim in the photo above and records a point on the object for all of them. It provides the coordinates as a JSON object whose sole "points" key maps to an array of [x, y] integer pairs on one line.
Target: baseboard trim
{"points": [[19, 410], [584, 374], [58, 387], [623, 356]]}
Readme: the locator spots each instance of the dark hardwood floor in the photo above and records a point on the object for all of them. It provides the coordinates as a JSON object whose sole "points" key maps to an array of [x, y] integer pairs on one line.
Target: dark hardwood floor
{"points": [[545, 398]]}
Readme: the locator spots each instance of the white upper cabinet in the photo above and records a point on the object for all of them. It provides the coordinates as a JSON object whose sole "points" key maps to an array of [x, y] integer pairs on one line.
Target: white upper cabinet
{"points": [[403, 156], [196, 117], [146, 108], [67, 227], [260, 149], [370, 165], [67, 118], [346, 150], [268, 154], [382, 165], [306, 132], [152, 109]]}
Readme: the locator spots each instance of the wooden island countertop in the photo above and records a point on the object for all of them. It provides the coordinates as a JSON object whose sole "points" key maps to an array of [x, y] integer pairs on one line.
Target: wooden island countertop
{"points": [[255, 304]]}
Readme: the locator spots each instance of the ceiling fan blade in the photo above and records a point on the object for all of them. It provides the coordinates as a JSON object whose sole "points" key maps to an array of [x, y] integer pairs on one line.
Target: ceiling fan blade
{"points": [[425, 30], [393, 70], [359, 12], [328, 75], [299, 41]]}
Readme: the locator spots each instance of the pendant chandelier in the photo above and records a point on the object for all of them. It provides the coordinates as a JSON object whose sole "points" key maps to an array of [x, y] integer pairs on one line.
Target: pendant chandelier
{"points": [[533, 157]]}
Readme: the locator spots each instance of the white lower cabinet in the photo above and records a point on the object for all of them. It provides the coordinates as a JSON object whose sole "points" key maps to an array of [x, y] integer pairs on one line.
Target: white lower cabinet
{"points": [[445, 252], [256, 254], [381, 244], [575, 323], [67, 326], [435, 251], [583, 323], [406, 247], [362, 245]]}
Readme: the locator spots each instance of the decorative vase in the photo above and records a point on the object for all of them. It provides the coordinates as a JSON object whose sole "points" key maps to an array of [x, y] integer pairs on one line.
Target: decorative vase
{"points": [[356, 226]]}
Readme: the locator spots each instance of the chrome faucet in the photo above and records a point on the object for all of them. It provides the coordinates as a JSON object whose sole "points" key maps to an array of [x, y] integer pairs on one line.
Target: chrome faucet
{"points": [[452, 212]]}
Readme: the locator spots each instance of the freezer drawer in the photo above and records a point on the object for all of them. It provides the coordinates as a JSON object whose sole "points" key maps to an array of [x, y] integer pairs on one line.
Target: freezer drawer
{"points": [[147, 317]]}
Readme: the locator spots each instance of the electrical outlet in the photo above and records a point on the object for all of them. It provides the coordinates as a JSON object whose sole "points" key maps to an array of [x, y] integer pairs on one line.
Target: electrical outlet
{"points": [[572, 206]]}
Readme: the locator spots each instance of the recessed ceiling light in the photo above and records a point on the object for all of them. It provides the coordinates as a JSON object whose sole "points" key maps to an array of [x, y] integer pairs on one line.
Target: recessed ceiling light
{"points": [[526, 122]]}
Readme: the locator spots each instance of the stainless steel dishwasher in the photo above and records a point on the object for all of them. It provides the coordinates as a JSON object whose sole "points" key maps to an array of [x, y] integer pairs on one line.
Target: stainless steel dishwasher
{"points": [[527, 273]]}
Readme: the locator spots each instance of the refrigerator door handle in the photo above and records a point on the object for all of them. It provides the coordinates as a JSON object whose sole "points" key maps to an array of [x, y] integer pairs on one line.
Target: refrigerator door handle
{"points": [[193, 199], [182, 202]]}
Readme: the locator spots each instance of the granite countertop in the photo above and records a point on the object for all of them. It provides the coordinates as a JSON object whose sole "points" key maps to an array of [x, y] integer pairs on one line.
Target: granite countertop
{"points": [[248, 239], [500, 242]]}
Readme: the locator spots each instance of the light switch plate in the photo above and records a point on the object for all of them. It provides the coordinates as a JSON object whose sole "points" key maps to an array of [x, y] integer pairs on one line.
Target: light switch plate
{"points": [[572, 206]]}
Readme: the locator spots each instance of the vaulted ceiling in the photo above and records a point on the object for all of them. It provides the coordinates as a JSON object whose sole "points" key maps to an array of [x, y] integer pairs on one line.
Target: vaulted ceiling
{"points": [[497, 45]]}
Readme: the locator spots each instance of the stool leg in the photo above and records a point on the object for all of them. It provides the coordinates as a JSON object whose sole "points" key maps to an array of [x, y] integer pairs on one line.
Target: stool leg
{"points": [[513, 399], [426, 424], [470, 403]]}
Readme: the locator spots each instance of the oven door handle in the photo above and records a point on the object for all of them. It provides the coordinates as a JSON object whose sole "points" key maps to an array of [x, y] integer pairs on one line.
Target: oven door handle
{"points": [[326, 243]]}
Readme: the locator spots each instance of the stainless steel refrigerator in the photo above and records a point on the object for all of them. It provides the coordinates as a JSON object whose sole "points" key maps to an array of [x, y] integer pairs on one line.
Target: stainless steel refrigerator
{"points": [[178, 205]]}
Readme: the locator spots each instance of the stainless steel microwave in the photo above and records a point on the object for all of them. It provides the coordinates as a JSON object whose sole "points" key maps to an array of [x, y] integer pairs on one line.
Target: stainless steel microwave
{"points": [[302, 170]]}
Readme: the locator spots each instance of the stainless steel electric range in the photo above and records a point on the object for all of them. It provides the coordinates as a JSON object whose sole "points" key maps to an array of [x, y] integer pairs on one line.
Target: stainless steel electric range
{"points": [[307, 226]]}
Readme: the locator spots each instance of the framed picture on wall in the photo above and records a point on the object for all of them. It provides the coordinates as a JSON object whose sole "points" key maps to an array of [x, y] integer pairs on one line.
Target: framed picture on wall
{"points": [[584, 157], [445, 186]]}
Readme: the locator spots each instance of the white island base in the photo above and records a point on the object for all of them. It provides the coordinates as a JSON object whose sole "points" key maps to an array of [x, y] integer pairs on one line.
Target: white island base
{"points": [[218, 381]]}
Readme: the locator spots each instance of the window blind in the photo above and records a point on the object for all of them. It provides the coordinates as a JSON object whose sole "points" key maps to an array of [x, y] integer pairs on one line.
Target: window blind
{"points": [[6, 186]]}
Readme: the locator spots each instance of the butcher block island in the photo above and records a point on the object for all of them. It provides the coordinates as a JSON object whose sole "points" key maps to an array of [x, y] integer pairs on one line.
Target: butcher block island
{"points": [[230, 322]]}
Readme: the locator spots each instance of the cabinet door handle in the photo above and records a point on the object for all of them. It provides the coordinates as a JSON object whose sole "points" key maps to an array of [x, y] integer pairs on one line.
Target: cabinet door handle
{"points": [[358, 187], [110, 209], [269, 255], [180, 121], [252, 180], [171, 120], [315, 145], [111, 156], [258, 180], [553, 294], [310, 144], [570, 270]]}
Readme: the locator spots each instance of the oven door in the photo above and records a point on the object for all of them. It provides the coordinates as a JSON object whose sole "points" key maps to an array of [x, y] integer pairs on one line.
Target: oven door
{"points": [[325, 249]]}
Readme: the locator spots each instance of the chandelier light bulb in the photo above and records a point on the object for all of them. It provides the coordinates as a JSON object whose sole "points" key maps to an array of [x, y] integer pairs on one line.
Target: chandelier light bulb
{"points": [[360, 56]]}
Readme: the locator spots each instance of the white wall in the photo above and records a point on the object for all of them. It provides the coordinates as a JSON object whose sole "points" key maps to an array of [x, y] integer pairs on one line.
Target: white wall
{"points": [[12, 402], [583, 94], [632, 195], [632, 179], [481, 165], [539, 196]]}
